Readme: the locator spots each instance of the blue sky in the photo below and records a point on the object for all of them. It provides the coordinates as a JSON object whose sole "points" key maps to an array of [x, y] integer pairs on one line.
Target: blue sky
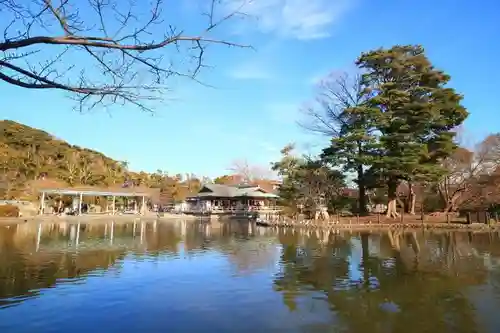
{"points": [[252, 111]]}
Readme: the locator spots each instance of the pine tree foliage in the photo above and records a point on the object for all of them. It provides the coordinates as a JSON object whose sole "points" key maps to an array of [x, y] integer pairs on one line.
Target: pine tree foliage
{"points": [[413, 113]]}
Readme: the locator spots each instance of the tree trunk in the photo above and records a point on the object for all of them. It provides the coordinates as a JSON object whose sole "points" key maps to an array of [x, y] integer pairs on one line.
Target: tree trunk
{"points": [[450, 206], [392, 210], [451, 203], [451, 199], [361, 191], [412, 199]]}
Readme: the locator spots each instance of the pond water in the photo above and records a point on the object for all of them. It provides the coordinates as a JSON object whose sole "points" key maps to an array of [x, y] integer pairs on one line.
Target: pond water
{"points": [[236, 277]]}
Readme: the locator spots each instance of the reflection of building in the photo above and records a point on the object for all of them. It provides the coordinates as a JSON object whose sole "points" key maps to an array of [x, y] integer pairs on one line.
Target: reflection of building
{"points": [[223, 199], [24, 270]]}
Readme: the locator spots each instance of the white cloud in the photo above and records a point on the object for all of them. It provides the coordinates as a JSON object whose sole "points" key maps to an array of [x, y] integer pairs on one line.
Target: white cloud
{"points": [[299, 19]]}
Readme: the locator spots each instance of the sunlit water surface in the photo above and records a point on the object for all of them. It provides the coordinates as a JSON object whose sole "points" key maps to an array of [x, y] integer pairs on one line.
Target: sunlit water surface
{"points": [[191, 277]]}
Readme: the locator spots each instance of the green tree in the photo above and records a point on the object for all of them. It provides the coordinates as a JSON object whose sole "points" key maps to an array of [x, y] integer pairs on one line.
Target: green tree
{"points": [[306, 181], [337, 116], [413, 113], [224, 180], [288, 168]]}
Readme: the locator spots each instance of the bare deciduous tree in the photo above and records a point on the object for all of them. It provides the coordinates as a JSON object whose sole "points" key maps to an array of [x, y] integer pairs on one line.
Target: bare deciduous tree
{"points": [[336, 93], [467, 171], [103, 51], [334, 115], [484, 192], [72, 165], [247, 172]]}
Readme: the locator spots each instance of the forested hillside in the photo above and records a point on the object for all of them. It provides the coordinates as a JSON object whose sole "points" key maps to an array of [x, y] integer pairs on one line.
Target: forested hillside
{"points": [[28, 155]]}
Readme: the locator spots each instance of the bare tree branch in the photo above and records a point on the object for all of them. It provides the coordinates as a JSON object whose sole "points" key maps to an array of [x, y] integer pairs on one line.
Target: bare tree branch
{"points": [[104, 51], [248, 173], [467, 170], [336, 93]]}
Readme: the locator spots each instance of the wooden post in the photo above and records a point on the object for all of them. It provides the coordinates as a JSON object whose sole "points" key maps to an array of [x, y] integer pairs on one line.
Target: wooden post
{"points": [[402, 214], [447, 217], [378, 217], [357, 218], [114, 205], [469, 220], [143, 208]]}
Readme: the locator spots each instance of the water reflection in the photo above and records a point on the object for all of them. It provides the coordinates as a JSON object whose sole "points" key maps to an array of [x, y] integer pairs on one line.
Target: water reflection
{"points": [[400, 283], [226, 277], [38, 256]]}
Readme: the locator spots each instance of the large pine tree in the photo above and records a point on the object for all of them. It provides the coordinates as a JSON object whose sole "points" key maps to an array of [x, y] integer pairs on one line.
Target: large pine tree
{"points": [[413, 113]]}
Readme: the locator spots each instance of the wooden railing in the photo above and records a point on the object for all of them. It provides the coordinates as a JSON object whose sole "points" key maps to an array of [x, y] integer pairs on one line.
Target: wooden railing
{"points": [[229, 210]]}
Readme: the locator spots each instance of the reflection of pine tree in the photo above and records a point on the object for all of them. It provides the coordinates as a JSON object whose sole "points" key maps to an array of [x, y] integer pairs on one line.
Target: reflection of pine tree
{"points": [[311, 265], [406, 292]]}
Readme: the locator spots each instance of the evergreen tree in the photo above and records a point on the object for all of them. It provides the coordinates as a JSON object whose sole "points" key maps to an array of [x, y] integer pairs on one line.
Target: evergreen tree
{"points": [[413, 113], [336, 116], [307, 182], [353, 147]]}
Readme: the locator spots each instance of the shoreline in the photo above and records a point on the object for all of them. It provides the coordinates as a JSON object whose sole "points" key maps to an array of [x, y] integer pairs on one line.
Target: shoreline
{"points": [[99, 219], [386, 226], [94, 219]]}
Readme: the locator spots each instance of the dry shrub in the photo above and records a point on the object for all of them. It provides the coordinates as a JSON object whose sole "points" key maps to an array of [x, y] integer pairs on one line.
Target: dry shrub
{"points": [[9, 211], [289, 211]]}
